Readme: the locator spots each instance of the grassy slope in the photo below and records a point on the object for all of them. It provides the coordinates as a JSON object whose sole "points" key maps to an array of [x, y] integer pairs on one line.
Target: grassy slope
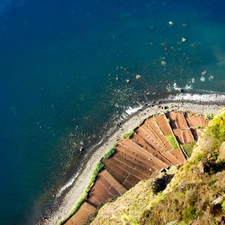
{"points": [[188, 199]]}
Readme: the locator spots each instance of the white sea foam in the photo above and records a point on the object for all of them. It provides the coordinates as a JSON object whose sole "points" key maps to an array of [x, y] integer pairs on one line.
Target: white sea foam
{"points": [[132, 110], [202, 79], [211, 78], [67, 185], [213, 97], [191, 97], [176, 87], [129, 111], [188, 87]]}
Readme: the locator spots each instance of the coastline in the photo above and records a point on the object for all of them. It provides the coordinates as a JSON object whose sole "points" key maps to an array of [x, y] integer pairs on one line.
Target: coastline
{"points": [[131, 122]]}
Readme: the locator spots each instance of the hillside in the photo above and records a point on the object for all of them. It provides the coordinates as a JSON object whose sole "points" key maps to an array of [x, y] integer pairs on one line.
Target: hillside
{"points": [[194, 194], [159, 143]]}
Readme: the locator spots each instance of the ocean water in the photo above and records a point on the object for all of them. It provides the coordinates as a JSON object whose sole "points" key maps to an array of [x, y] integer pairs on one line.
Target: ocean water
{"points": [[68, 74]]}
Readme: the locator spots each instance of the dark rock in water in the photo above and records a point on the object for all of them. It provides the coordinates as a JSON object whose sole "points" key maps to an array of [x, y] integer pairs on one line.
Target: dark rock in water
{"points": [[118, 124], [181, 90]]}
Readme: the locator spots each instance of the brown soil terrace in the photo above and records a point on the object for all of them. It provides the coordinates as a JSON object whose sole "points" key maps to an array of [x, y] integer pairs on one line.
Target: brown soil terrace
{"points": [[141, 157]]}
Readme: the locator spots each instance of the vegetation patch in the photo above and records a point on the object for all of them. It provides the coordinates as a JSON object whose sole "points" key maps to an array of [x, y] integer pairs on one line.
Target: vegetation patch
{"points": [[172, 140], [188, 148], [160, 197], [190, 114], [127, 220], [111, 152], [216, 132], [223, 206], [95, 173], [189, 214], [209, 116], [128, 135]]}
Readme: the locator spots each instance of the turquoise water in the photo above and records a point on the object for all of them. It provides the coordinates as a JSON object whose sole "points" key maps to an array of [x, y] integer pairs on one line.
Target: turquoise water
{"points": [[68, 73]]}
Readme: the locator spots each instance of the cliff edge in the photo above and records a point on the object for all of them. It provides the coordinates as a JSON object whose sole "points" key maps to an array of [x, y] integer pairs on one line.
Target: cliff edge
{"points": [[193, 193]]}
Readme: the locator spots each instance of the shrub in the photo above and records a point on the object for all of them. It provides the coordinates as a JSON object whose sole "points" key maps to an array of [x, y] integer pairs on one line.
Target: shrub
{"points": [[111, 152], [189, 214], [128, 135], [209, 116], [223, 206], [199, 157], [160, 197], [128, 220], [190, 114], [216, 131], [95, 173]]}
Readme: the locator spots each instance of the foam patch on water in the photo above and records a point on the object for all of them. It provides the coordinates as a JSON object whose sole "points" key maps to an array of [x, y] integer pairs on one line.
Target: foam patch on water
{"points": [[67, 185], [213, 97], [202, 79], [133, 110], [129, 111], [176, 87]]}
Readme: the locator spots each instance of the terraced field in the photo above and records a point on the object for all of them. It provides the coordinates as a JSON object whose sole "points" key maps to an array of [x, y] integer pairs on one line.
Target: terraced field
{"points": [[160, 141]]}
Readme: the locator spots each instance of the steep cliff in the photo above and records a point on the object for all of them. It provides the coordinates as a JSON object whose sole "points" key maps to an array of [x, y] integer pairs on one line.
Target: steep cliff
{"points": [[193, 193]]}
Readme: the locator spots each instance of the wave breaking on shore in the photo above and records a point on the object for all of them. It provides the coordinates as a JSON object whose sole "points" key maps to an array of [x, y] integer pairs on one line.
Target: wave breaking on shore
{"points": [[213, 98], [177, 101]]}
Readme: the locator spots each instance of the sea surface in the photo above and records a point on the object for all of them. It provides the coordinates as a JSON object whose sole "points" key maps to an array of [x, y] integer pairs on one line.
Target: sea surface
{"points": [[70, 70]]}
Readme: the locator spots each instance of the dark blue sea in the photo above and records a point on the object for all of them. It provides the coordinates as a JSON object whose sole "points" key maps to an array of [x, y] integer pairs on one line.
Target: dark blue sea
{"points": [[70, 69]]}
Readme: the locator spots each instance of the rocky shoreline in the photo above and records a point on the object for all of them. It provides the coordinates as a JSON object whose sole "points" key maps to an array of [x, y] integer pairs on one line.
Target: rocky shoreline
{"points": [[131, 122]]}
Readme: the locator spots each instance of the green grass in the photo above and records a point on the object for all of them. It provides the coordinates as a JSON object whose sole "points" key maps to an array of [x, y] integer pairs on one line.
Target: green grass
{"points": [[172, 140], [128, 135], [95, 173], [188, 148], [84, 195], [216, 131], [190, 114], [128, 220], [209, 116], [189, 214], [111, 152], [161, 196], [223, 206]]}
